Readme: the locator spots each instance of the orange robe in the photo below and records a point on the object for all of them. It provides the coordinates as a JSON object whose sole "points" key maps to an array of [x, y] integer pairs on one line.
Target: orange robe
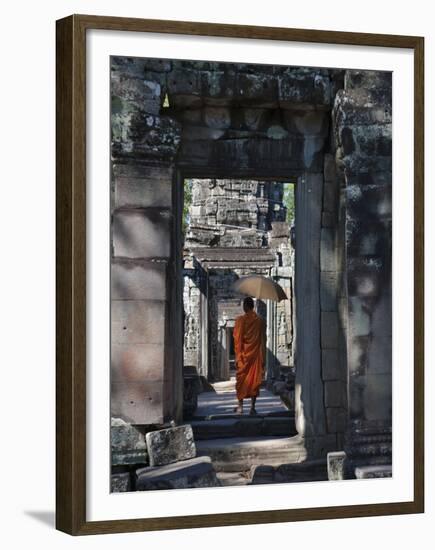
{"points": [[250, 349]]}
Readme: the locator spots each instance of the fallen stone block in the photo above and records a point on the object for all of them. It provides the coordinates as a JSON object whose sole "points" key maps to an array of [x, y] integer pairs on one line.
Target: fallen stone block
{"points": [[240, 453], [336, 465], [195, 472], [120, 483], [310, 470], [170, 445], [370, 472], [128, 444], [262, 474]]}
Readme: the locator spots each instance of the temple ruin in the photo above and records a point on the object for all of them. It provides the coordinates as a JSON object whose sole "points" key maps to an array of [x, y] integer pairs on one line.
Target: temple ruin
{"points": [[239, 131]]}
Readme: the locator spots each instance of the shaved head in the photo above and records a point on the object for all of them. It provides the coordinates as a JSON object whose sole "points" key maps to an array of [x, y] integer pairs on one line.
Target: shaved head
{"points": [[248, 304]]}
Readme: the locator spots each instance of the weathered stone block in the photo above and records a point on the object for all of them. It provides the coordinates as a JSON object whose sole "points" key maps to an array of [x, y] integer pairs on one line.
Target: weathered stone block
{"points": [[310, 470], [139, 67], [371, 80], [303, 89], [192, 133], [134, 89], [151, 188], [371, 472], [218, 87], [142, 234], [127, 443], [329, 329], [138, 281], [336, 469], [138, 402], [157, 65], [195, 472], [335, 393], [138, 321], [137, 362], [360, 115], [120, 483], [336, 419], [184, 82], [355, 163], [170, 445], [331, 369], [259, 87], [328, 290], [327, 250], [262, 473], [136, 134], [217, 117]]}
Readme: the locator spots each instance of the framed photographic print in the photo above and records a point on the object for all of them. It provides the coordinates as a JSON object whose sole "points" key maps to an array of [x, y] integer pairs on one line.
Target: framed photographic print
{"points": [[239, 275]]}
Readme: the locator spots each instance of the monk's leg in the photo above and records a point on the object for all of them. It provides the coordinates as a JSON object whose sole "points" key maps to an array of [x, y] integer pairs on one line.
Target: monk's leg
{"points": [[253, 400], [239, 408]]}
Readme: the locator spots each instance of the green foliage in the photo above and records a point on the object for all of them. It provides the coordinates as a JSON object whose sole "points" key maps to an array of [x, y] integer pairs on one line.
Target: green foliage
{"points": [[289, 201], [186, 204]]}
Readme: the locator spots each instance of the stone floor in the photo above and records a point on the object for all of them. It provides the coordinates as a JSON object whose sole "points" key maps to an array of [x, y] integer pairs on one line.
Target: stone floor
{"points": [[236, 443], [222, 403]]}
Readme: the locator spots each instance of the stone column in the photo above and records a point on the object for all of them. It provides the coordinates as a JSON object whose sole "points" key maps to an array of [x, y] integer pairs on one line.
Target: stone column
{"points": [[310, 413], [334, 371], [363, 130]]}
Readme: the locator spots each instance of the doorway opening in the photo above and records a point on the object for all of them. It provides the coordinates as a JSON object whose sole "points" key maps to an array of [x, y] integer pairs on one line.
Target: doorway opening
{"points": [[234, 228]]}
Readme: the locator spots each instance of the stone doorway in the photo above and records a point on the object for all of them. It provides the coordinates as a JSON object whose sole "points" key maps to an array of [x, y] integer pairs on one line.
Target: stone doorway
{"points": [[233, 228]]}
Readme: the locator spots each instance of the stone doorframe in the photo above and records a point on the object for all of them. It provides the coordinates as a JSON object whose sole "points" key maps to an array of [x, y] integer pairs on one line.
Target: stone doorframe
{"points": [[221, 120], [310, 401]]}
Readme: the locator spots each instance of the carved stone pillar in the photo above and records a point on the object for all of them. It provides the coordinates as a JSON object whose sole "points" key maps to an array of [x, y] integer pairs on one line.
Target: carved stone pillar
{"points": [[363, 131]]}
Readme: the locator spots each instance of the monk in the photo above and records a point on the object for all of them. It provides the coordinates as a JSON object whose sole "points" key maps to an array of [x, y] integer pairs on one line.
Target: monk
{"points": [[250, 350]]}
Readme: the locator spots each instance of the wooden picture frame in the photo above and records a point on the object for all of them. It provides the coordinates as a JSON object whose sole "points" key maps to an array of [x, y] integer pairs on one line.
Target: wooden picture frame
{"points": [[71, 273]]}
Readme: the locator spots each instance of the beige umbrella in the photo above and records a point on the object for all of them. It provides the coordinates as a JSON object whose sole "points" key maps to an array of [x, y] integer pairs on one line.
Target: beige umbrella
{"points": [[260, 287]]}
